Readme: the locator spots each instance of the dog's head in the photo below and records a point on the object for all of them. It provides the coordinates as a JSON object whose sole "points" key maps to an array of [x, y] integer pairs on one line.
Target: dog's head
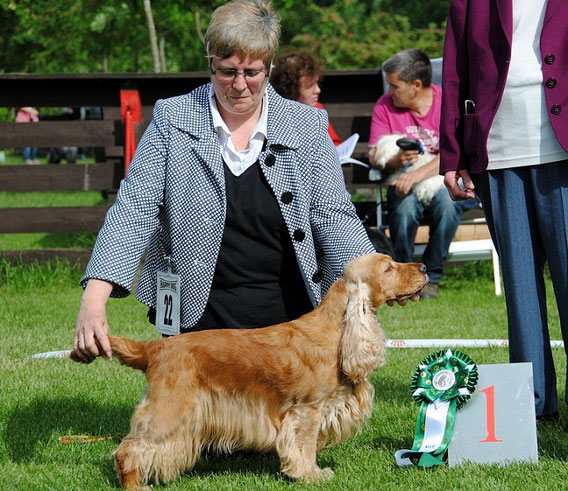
{"points": [[383, 279], [372, 280]]}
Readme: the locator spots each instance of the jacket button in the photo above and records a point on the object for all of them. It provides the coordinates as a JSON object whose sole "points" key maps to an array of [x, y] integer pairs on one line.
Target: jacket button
{"points": [[317, 277], [286, 197], [549, 59], [556, 109], [299, 235], [551, 83], [270, 160]]}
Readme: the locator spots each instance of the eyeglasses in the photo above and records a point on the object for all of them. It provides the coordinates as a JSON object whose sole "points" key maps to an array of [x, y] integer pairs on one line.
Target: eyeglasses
{"points": [[230, 74]]}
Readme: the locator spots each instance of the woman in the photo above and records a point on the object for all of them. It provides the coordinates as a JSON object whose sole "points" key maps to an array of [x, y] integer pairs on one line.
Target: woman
{"points": [[236, 190], [505, 134], [296, 76]]}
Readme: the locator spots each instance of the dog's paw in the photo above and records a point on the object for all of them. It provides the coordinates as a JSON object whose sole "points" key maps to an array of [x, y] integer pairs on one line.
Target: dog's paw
{"points": [[327, 474], [320, 475]]}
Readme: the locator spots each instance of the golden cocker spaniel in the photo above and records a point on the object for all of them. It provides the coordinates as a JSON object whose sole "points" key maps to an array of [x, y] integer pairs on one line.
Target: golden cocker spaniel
{"points": [[291, 388]]}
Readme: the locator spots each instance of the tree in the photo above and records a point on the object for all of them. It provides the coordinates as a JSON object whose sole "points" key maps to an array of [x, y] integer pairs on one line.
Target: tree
{"points": [[112, 35], [153, 38]]}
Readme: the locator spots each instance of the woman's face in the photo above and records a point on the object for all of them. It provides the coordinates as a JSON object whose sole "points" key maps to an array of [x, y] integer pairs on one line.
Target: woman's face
{"points": [[239, 96], [309, 90]]}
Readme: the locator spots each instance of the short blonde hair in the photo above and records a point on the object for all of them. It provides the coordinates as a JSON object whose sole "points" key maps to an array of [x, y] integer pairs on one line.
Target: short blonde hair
{"points": [[244, 28]]}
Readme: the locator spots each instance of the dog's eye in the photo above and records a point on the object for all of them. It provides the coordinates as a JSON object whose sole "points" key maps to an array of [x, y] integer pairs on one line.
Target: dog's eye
{"points": [[389, 267]]}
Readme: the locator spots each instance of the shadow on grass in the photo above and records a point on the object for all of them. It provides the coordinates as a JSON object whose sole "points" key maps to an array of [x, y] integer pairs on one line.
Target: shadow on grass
{"points": [[239, 462], [390, 392], [44, 419], [248, 462]]}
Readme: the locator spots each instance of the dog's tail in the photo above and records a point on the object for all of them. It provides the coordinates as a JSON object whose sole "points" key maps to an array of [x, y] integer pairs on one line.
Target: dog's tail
{"points": [[129, 352]]}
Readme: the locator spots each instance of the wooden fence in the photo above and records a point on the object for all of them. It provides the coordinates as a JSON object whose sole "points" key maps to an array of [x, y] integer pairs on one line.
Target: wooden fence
{"points": [[348, 96]]}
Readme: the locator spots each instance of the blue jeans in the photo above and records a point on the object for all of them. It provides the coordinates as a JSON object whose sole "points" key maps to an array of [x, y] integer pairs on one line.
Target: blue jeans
{"points": [[29, 153], [527, 213], [442, 215]]}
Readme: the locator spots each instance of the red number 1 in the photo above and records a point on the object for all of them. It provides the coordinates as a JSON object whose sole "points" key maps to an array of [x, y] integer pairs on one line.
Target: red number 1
{"points": [[490, 415]]}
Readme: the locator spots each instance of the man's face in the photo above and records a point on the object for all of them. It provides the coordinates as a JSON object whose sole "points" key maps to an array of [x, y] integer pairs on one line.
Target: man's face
{"points": [[403, 93]]}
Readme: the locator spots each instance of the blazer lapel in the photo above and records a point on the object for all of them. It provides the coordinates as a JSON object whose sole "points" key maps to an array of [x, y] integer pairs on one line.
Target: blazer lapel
{"points": [[194, 117]]}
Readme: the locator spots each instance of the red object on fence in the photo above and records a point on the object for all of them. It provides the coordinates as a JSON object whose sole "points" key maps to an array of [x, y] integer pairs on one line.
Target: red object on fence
{"points": [[131, 112]]}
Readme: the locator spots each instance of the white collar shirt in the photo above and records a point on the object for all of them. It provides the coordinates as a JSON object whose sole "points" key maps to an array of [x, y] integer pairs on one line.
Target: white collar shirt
{"points": [[238, 162]]}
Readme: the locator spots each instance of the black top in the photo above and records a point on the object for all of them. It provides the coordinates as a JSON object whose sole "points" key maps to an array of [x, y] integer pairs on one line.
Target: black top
{"points": [[257, 281]]}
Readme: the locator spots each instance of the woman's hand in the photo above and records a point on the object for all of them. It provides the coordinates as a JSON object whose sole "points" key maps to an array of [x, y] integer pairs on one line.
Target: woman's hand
{"points": [[91, 330], [457, 193]]}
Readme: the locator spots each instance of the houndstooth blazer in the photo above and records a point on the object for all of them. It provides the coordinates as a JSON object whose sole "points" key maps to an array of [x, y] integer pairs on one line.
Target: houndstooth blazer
{"points": [[172, 202]]}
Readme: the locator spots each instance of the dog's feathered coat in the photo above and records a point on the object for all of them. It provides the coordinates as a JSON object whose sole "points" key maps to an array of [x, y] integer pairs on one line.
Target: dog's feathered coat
{"points": [[292, 388], [425, 190]]}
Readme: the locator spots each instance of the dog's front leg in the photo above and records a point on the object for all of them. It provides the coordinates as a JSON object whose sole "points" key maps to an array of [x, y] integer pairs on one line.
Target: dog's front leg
{"points": [[296, 445], [128, 474]]}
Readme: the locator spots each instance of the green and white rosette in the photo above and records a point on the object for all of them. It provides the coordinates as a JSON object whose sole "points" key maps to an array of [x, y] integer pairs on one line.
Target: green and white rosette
{"points": [[441, 384]]}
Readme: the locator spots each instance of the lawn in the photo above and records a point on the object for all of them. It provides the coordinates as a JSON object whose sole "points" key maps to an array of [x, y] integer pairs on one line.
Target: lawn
{"points": [[44, 399]]}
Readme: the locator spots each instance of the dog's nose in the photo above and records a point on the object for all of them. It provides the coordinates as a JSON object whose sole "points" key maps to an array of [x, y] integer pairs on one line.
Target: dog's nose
{"points": [[422, 268]]}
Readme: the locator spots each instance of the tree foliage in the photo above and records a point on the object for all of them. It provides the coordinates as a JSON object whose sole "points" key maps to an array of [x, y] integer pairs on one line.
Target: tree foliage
{"points": [[111, 35]]}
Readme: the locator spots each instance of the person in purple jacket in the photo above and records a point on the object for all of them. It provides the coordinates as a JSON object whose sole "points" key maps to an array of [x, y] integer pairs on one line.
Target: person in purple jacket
{"points": [[504, 131]]}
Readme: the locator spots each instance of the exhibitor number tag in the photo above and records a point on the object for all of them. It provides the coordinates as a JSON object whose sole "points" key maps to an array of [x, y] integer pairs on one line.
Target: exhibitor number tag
{"points": [[167, 303]]}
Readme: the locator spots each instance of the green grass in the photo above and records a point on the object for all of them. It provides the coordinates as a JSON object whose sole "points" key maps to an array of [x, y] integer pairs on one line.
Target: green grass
{"points": [[14, 157], [44, 399]]}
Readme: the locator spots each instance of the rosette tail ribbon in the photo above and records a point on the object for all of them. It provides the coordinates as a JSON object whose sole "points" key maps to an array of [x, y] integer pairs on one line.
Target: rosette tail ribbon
{"points": [[441, 384]]}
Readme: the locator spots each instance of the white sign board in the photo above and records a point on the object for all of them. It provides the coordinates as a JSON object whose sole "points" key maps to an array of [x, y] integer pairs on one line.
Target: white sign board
{"points": [[498, 423]]}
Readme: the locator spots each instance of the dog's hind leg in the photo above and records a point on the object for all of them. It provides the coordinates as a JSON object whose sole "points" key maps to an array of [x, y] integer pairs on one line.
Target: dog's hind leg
{"points": [[296, 445], [159, 447]]}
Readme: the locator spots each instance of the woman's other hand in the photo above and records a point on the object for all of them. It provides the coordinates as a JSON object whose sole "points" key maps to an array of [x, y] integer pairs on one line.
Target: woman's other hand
{"points": [[91, 330]]}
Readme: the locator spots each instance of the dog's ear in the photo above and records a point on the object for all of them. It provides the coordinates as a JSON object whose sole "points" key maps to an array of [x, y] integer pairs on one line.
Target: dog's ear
{"points": [[362, 346]]}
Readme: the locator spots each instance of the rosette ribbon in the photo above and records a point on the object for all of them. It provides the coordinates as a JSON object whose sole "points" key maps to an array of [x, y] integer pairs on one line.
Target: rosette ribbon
{"points": [[441, 384]]}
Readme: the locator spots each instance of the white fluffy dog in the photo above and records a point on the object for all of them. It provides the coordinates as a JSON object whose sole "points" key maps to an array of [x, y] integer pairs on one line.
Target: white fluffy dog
{"points": [[425, 190]]}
